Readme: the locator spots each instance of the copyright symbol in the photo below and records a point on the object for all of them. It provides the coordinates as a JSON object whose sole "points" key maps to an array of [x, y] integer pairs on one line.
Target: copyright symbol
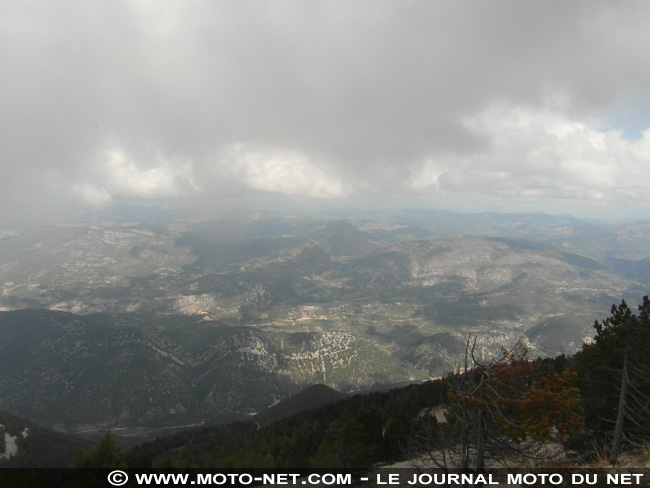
{"points": [[118, 478]]}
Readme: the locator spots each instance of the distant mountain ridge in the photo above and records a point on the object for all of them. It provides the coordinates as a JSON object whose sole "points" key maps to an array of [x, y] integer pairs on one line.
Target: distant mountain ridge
{"points": [[148, 327]]}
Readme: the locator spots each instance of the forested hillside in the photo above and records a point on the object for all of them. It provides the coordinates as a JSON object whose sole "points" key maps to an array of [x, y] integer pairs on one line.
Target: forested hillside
{"points": [[147, 328], [24, 444], [598, 397]]}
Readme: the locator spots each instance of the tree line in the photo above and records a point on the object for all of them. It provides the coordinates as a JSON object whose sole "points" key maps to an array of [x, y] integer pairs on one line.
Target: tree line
{"points": [[510, 408]]}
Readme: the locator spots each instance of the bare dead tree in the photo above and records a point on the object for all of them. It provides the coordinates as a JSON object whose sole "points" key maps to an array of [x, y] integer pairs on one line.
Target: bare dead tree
{"points": [[496, 411]]}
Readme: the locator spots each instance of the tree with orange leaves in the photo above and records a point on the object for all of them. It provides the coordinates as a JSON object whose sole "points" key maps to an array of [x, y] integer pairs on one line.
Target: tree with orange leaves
{"points": [[509, 408]]}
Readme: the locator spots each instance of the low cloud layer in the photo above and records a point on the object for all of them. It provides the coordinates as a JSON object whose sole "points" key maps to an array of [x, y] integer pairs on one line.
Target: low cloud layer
{"points": [[497, 105]]}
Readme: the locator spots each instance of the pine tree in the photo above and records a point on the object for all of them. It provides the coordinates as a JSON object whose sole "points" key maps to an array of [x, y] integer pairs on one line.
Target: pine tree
{"points": [[615, 375], [105, 454], [346, 444]]}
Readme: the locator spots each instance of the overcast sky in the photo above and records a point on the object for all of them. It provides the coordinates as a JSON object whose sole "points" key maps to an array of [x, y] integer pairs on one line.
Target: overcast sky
{"points": [[490, 105]]}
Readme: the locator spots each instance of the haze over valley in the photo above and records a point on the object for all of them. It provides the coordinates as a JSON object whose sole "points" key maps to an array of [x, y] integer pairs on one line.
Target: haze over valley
{"points": [[206, 207], [144, 327]]}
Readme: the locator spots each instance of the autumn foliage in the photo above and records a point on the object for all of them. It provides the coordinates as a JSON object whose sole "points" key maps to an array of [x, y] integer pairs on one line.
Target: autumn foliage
{"points": [[535, 402], [526, 402]]}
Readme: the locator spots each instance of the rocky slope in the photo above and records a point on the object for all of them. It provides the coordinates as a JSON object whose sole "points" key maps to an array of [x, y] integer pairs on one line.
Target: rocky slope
{"points": [[144, 326], [90, 373]]}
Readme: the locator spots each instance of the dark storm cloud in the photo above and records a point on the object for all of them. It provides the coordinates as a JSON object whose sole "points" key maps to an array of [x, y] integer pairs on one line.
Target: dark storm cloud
{"points": [[436, 101]]}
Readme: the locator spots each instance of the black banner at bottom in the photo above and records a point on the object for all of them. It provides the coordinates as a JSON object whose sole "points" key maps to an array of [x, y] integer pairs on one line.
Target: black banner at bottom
{"points": [[323, 478]]}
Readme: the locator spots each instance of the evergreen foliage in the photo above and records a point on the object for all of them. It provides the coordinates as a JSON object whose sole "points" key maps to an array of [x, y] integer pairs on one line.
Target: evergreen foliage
{"points": [[506, 408], [355, 432], [105, 454], [615, 378]]}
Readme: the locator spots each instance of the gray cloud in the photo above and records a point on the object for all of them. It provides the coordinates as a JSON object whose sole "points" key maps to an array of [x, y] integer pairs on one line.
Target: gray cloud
{"points": [[501, 103]]}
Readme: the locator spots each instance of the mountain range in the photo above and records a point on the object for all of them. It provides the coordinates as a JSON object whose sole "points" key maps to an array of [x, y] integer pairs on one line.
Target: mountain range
{"points": [[146, 327]]}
